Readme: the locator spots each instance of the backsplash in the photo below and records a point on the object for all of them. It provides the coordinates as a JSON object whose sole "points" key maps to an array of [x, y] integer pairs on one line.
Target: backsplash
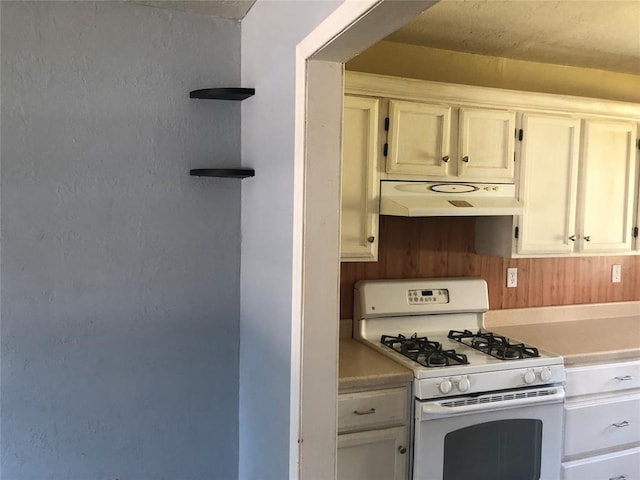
{"points": [[444, 247]]}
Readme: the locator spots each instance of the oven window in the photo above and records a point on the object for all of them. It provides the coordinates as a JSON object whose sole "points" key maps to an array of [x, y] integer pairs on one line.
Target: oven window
{"points": [[500, 450]]}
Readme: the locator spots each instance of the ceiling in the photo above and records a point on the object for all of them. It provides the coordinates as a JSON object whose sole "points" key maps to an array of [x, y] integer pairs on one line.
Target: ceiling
{"points": [[602, 34], [583, 33]]}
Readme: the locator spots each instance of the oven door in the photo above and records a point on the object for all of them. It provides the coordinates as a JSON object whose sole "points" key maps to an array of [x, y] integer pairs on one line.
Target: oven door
{"points": [[510, 435]]}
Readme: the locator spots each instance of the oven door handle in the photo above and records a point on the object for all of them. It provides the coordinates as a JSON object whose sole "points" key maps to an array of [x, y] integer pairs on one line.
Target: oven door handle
{"points": [[499, 401]]}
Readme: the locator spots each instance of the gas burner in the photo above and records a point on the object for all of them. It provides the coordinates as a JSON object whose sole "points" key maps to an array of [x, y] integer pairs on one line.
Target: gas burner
{"points": [[495, 345], [423, 351]]}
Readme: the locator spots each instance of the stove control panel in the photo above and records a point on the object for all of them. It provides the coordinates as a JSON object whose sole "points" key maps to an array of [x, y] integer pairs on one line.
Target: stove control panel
{"points": [[432, 296], [488, 381]]}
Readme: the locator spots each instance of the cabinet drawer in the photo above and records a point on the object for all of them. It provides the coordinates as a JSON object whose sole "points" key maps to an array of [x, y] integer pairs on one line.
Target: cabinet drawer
{"points": [[623, 465], [595, 425], [372, 409], [610, 377]]}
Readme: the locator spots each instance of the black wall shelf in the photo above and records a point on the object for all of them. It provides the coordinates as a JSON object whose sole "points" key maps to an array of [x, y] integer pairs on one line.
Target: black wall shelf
{"points": [[223, 172], [237, 94]]}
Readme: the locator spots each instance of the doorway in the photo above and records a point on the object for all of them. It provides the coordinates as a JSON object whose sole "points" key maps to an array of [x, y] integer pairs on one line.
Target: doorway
{"points": [[352, 28]]}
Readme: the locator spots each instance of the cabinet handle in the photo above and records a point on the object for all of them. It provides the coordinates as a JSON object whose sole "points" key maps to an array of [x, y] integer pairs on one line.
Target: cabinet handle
{"points": [[402, 449], [624, 379], [371, 239], [465, 159], [621, 424], [368, 412], [587, 238], [572, 238], [621, 477], [445, 159]]}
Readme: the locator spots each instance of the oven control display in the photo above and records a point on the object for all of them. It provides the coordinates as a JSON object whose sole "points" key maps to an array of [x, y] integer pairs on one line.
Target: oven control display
{"points": [[422, 297]]}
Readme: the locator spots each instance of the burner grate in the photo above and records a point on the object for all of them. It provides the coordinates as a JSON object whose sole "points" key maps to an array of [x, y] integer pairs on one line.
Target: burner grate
{"points": [[423, 351], [495, 345]]}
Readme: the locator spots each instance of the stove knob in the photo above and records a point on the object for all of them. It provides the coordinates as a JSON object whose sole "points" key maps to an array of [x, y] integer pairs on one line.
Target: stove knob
{"points": [[464, 384], [445, 386], [529, 377], [545, 374]]}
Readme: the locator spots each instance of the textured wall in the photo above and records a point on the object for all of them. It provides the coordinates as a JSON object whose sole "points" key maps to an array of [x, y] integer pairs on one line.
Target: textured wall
{"points": [[120, 272], [271, 30]]}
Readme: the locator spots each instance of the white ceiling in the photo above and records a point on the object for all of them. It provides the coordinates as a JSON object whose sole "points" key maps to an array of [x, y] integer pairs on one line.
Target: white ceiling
{"points": [[602, 34]]}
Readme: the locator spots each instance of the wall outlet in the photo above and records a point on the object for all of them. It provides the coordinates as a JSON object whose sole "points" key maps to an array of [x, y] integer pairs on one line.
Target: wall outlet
{"points": [[512, 277], [616, 273]]}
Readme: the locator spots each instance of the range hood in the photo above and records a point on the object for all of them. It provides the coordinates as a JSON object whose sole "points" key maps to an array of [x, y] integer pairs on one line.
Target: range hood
{"points": [[446, 199]]}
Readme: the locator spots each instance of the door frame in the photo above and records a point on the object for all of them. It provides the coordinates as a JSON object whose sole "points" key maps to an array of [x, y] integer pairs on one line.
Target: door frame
{"points": [[353, 27]]}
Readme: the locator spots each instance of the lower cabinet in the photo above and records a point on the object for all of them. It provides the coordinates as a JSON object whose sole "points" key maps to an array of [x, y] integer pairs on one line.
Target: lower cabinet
{"points": [[373, 434], [374, 454], [602, 422]]}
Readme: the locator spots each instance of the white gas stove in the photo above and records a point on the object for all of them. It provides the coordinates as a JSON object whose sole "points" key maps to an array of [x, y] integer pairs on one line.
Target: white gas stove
{"points": [[480, 398], [434, 327]]}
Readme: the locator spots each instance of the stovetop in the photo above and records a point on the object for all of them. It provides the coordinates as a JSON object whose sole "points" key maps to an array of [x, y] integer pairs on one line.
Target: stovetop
{"points": [[433, 354], [434, 327]]}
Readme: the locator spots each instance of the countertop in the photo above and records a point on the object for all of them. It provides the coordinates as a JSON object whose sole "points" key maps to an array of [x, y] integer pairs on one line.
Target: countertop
{"points": [[581, 334], [362, 367]]}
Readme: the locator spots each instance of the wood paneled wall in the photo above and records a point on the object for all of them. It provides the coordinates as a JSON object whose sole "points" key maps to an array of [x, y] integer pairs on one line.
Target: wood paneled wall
{"points": [[444, 246]]}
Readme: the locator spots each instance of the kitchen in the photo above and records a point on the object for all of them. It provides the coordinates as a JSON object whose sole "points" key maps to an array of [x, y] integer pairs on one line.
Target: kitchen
{"points": [[446, 246], [58, 414]]}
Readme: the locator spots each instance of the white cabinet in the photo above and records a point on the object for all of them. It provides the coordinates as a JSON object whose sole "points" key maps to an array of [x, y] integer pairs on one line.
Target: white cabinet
{"points": [[549, 184], [360, 179], [376, 454], [373, 434], [575, 166], [578, 196], [486, 144], [418, 140], [602, 422], [607, 186], [423, 143]]}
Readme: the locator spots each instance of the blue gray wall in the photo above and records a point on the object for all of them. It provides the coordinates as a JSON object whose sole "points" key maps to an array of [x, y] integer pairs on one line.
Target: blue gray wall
{"points": [[120, 272], [268, 435]]}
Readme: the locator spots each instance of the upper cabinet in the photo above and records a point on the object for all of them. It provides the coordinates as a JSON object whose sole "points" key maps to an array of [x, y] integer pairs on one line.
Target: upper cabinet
{"points": [[418, 139], [549, 184], [608, 163], [578, 195], [447, 142], [573, 161], [360, 180], [486, 144]]}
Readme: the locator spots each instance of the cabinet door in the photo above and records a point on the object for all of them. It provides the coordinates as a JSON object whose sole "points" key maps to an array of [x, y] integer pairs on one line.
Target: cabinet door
{"points": [[607, 186], [548, 188], [419, 135], [373, 455], [360, 180], [486, 144]]}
